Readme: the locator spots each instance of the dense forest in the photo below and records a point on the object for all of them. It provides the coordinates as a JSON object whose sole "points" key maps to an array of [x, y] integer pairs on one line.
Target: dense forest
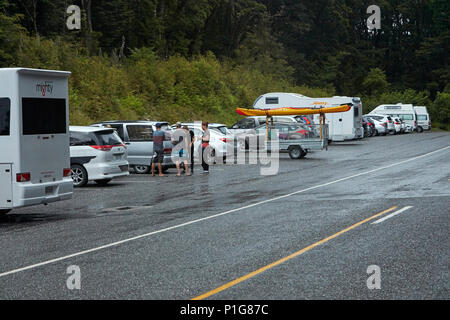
{"points": [[199, 59]]}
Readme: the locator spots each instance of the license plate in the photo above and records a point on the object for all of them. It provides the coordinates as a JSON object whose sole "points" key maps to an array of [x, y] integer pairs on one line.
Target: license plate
{"points": [[48, 190]]}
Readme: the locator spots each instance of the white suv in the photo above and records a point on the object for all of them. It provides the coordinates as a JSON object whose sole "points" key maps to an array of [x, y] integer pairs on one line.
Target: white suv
{"points": [[96, 154]]}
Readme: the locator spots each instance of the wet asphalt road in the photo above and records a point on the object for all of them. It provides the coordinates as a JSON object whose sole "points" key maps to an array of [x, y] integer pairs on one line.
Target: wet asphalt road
{"points": [[144, 237]]}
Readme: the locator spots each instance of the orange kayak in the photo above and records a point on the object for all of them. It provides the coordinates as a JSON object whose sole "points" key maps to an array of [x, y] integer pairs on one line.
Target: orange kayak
{"points": [[291, 111]]}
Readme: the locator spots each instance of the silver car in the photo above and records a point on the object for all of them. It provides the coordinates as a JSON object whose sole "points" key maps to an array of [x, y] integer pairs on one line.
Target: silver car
{"points": [[138, 137], [246, 126]]}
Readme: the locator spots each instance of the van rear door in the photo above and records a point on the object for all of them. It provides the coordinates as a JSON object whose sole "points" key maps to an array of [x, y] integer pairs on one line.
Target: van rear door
{"points": [[45, 142]]}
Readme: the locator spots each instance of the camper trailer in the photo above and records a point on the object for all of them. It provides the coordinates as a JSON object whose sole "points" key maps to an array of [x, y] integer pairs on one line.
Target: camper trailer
{"points": [[34, 138], [405, 112], [341, 126], [423, 118]]}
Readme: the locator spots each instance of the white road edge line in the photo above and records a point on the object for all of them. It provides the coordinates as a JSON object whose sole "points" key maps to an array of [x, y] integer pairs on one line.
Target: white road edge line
{"points": [[392, 215], [211, 217]]}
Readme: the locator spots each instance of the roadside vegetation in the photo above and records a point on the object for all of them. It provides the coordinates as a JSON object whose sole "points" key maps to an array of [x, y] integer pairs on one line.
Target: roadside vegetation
{"points": [[153, 63]]}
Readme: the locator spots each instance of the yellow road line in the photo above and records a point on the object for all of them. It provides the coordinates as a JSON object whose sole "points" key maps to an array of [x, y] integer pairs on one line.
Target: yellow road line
{"points": [[293, 255]]}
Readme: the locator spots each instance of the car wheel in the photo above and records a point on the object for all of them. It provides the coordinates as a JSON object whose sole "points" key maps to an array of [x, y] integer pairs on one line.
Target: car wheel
{"points": [[4, 211], [376, 133], [79, 175], [141, 169], [296, 152], [102, 182], [419, 129]]}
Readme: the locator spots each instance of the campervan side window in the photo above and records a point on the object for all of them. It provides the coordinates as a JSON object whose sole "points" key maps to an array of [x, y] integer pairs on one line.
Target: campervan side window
{"points": [[406, 116], [272, 100], [422, 117], [5, 116], [43, 116]]}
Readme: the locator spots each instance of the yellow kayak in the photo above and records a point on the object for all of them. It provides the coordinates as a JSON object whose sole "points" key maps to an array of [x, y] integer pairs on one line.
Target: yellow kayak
{"points": [[291, 111]]}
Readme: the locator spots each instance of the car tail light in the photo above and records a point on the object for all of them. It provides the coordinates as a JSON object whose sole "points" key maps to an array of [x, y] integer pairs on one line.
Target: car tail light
{"points": [[168, 150], [397, 122], [225, 140], [102, 148], [66, 172], [23, 177], [384, 124]]}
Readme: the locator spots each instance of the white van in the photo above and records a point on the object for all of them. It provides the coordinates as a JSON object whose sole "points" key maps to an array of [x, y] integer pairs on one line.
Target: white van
{"points": [[423, 118], [34, 138], [405, 112], [341, 126]]}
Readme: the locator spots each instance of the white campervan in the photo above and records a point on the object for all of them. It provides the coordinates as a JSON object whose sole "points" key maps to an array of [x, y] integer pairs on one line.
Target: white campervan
{"points": [[423, 118], [34, 138], [405, 112], [341, 126]]}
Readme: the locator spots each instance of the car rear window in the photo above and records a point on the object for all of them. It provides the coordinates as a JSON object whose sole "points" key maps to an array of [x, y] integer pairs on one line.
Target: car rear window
{"points": [[222, 130], [82, 139], [108, 138], [5, 116], [422, 117], [43, 116]]}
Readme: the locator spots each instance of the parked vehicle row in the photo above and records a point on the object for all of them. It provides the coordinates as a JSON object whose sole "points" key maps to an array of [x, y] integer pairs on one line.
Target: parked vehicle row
{"points": [[415, 118]]}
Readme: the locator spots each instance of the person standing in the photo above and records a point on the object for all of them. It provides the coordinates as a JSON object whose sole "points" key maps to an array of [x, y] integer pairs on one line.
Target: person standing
{"points": [[180, 138], [205, 146], [191, 144], [158, 149]]}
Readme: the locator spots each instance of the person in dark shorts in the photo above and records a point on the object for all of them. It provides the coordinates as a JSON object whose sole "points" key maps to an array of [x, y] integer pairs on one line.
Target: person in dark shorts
{"points": [[158, 149], [191, 144]]}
